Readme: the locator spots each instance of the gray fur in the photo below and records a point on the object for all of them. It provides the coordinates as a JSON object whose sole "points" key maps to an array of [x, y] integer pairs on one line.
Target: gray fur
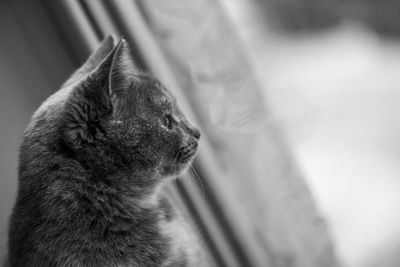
{"points": [[91, 164]]}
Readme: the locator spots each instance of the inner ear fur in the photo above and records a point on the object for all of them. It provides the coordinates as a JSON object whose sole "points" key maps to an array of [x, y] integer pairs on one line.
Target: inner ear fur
{"points": [[98, 80], [122, 69]]}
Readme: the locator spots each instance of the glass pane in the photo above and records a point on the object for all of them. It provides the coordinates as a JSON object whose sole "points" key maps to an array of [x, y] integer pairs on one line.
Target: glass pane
{"points": [[287, 89], [258, 178]]}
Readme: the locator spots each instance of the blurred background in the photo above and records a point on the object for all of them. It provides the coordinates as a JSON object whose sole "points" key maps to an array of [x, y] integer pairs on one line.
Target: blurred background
{"points": [[296, 99]]}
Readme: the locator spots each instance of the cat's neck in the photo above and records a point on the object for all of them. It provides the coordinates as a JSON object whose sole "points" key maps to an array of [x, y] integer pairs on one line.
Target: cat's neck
{"points": [[151, 200]]}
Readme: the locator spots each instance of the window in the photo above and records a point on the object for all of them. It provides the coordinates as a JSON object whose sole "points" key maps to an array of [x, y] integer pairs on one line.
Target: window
{"points": [[271, 85]]}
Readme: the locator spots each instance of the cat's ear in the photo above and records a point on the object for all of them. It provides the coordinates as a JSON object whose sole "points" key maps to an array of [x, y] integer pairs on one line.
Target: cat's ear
{"points": [[105, 48], [107, 72], [122, 69]]}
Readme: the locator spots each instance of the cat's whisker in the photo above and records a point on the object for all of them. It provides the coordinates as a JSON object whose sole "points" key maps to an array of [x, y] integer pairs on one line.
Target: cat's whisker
{"points": [[198, 179], [175, 168]]}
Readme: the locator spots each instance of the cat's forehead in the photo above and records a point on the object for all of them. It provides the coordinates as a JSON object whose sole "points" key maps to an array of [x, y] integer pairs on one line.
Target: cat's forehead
{"points": [[160, 94], [166, 97]]}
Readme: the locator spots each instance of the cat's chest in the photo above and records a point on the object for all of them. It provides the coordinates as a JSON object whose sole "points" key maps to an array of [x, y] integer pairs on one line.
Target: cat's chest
{"points": [[183, 244]]}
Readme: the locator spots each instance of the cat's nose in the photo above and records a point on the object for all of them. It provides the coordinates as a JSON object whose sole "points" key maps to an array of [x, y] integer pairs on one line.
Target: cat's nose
{"points": [[195, 132]]}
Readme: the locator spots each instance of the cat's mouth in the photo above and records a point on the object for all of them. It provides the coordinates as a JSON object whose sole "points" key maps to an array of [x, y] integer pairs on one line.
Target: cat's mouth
{"points": [[187, 153], [181, 160]]}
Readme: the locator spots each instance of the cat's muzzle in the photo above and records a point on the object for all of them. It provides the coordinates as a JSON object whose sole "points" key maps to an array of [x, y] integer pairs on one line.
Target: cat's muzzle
{"points": [[187, 152]]}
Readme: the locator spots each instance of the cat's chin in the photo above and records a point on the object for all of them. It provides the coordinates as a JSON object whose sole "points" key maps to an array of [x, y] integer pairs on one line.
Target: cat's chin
{"points": [[181, 162], [183, 167], [176, 169]]}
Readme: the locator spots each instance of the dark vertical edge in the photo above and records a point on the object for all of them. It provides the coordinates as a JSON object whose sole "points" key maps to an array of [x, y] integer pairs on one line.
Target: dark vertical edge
{"points": [[69, 47], [135, 51], [92, 21], [197, 217], [75, 30], [219, 214], [15, 12]]}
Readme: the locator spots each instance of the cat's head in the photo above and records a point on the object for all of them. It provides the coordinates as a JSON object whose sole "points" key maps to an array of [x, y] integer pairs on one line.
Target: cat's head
{"points": [[116, 117]]}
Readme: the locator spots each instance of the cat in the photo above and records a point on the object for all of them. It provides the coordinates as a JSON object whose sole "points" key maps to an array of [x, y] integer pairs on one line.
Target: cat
{"points": [[91, 164]]}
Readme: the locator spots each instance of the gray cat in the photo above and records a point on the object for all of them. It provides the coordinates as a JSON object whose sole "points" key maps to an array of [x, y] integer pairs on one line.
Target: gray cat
{"points": [[91, 164]]}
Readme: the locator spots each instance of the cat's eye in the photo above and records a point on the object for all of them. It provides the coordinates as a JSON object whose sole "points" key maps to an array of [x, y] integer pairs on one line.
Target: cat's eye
{"points": [[168, 121]]}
